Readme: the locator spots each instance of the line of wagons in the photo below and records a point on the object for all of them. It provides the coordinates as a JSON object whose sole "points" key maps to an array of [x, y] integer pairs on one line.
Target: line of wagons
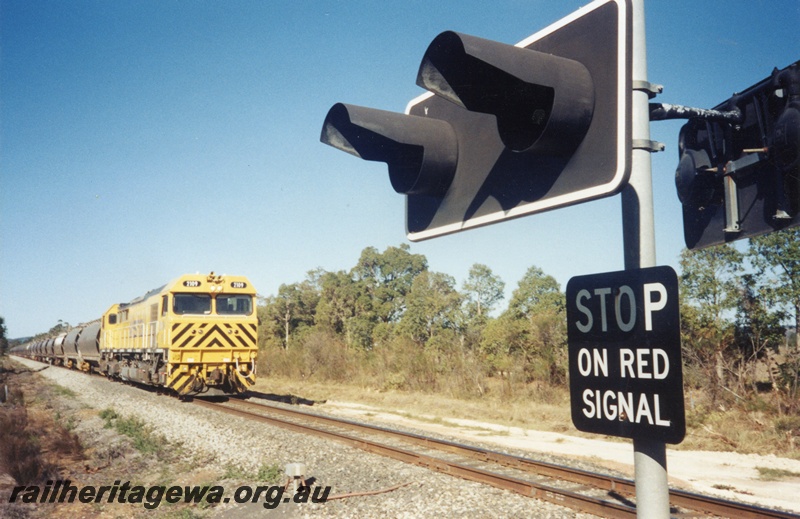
{"points": [[79, 348], [193, 334]]}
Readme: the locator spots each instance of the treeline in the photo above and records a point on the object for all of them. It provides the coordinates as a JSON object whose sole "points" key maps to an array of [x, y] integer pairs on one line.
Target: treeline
{"points": [[391, 322], [740, 318]]}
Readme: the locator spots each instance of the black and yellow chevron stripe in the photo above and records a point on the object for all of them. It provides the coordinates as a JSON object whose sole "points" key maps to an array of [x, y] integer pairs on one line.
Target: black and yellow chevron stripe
{"points": [[211, 335]]}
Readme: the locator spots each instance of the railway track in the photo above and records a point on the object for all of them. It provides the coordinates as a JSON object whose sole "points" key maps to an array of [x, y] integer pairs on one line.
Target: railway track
{"points": [[585, 491]]}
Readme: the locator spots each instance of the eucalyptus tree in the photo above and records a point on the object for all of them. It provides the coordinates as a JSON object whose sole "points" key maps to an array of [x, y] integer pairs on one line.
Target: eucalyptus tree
{"points": [[292, 309], [433, 308], [536, 293], [532, 329], [710, 292], [382, 283], [776, 258], [337, 302], [386, 277], [483, 290], [710, 282]]}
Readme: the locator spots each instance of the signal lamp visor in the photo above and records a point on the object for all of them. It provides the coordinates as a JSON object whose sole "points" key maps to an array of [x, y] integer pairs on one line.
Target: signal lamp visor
{"points": [[543, 103], [421, 152]]}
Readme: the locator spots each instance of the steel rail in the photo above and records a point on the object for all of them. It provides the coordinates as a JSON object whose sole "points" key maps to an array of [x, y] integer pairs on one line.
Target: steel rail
{"points": [[542, 468], [567, 498], [678, 498]]}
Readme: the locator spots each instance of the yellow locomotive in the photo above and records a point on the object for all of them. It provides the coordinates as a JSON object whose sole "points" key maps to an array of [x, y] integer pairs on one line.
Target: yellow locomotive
{"points": [[195, 333]]}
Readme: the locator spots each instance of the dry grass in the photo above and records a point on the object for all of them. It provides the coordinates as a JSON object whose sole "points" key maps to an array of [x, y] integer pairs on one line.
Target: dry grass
{"points": [[450, 381], [770, 474], [20, 450], [28, 439], [754, 426], [44, 420], [542, 408]]}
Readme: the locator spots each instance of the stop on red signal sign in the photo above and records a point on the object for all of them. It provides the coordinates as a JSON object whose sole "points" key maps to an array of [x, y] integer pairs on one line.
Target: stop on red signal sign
{"points": [[625, 366]]}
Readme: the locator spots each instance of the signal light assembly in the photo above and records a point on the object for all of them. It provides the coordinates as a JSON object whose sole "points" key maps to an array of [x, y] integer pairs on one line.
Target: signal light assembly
{"points": [[505, 131], [739, 169]]}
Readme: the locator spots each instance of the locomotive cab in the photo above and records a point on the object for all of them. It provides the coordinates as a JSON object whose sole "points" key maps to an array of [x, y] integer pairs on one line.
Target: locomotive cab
{"points": [[193, 334]]}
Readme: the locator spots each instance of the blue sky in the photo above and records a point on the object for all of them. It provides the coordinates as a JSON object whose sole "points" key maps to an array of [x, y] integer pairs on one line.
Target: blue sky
{"points": [[141, 140]]}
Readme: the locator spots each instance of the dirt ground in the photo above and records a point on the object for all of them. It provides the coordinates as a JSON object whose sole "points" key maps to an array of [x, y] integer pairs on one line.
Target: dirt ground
{"points": [[766, 480], [725, 474], [72, 442]]}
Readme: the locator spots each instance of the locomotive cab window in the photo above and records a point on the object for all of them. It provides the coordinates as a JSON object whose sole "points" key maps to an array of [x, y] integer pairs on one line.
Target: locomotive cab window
{"points": [[234, 304], [191, 304]]}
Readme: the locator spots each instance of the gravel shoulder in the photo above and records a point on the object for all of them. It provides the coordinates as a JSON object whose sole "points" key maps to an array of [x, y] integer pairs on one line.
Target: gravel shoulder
{"points": [[211, 449], [729, 475]]}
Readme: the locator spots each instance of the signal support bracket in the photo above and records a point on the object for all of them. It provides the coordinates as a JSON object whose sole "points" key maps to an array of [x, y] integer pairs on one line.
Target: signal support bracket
{"points": [[732, 169], [652, 89], [647, 145]]}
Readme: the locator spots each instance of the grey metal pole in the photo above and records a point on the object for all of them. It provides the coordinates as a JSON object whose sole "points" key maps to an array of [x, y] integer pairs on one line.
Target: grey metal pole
{"points": [[638, 231]]}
